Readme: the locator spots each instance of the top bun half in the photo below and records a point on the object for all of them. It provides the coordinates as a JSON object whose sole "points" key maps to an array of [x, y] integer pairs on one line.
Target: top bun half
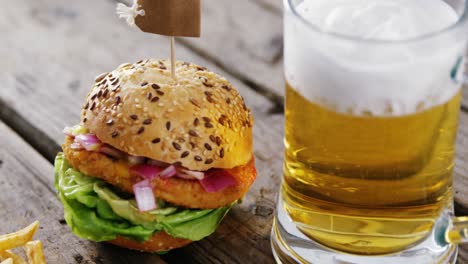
{"points": [[197, 120]]}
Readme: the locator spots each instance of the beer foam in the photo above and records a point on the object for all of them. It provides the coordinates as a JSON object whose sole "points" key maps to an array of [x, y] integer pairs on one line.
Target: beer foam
{"points": [[361, 77]]}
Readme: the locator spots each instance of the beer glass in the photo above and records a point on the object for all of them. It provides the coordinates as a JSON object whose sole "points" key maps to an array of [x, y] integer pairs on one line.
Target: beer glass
{"points": [[369, 144]]}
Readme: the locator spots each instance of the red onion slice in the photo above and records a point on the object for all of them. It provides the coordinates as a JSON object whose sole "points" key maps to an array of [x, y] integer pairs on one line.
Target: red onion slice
{"points": [[168, 172], [217, 180], [89, 141], [144, 196], [158, 163], [145, 171], [76, 146], [188, 174]]}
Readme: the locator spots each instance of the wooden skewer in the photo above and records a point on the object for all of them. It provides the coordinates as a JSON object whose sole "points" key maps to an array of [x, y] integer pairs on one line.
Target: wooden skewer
{"points": [[173, 57]]}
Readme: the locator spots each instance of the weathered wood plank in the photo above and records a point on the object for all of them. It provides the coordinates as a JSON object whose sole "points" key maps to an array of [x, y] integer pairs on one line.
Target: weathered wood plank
{"points": [[245, 39], [44, 86], [274, 5], [463, 255], [27, 194], [46, 92], [461, 169]]}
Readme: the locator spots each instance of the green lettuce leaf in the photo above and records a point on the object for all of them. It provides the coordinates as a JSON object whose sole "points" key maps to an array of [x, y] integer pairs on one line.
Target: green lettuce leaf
{"points": [[95, 212]]}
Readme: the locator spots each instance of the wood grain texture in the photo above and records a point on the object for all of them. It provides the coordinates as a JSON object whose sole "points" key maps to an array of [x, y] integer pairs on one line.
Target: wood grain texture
{"points": [[44, 84], [27, 194], [60, 46], [463, 255], [244, 38]]}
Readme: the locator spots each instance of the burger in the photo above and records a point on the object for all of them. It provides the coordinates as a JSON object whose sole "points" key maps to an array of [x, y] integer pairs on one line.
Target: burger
{"points": [[156, 162]]}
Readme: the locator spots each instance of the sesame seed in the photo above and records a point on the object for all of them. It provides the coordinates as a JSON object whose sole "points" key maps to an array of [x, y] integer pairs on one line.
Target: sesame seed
{"points": [[140, 61], [207, 93], [149, 95], [198, 158], [85, 119], [207, 146], [221, 153], [93, 96], [208, 125], [100, 77], [209, 161], [206, 119], [196, 122], [228, 100], [218, 141], [117, 100], [92, 106], [212, 138], [115, 134], [144, 83], [192, 145], [184, 154], [176, 146], [134, 117], [147, 121], [99, 94], [156, 140], [106, 91], [168, 125], [155, 86], [193, 133], [226, 87], [115, 82], [86, 106], [207, 84], [110, 122], [155, 99], [195, 102], [160, 92], [210, 99], [201, 68], [138, 106], [125, 65], [162, 67], [141, 130]]}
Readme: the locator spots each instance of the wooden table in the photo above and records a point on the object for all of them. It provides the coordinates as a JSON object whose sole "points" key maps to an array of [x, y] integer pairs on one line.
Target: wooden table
{"points": [[50, 51]]}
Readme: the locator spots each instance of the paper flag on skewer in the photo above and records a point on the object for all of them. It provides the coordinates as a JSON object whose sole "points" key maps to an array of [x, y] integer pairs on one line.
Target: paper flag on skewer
{"points": [[164, 17]]}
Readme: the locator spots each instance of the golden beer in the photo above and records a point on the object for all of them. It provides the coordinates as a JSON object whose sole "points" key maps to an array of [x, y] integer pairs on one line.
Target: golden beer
{"points": [[367, 184]]}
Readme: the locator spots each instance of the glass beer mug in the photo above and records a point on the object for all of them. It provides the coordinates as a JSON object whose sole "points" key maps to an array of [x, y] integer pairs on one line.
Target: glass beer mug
{"points": [[373, 94]]}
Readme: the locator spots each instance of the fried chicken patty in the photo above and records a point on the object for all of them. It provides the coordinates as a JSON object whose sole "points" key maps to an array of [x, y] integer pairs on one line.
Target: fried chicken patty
{"points": [[181, 192]]}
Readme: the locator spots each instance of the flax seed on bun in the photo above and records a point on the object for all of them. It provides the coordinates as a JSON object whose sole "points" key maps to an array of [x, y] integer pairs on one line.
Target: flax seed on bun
{"points": [[197, 120]]}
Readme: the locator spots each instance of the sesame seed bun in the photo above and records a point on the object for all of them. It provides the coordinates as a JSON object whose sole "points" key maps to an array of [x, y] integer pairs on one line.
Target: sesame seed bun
{"points": [[160, 241], [197, 120]]}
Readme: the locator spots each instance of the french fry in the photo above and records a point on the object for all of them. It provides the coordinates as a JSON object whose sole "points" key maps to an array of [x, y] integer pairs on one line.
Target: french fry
{"points": [[7, 261], [8, 254], [18, 238], [34, 252]]}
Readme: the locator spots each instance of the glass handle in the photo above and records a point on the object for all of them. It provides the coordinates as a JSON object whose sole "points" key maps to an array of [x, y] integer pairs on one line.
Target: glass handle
{"points": [[458, 74], [457, 231]]}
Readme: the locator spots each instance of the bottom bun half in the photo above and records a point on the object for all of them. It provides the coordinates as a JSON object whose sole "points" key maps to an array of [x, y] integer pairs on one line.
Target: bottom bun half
{"points": [[160, 241]]}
